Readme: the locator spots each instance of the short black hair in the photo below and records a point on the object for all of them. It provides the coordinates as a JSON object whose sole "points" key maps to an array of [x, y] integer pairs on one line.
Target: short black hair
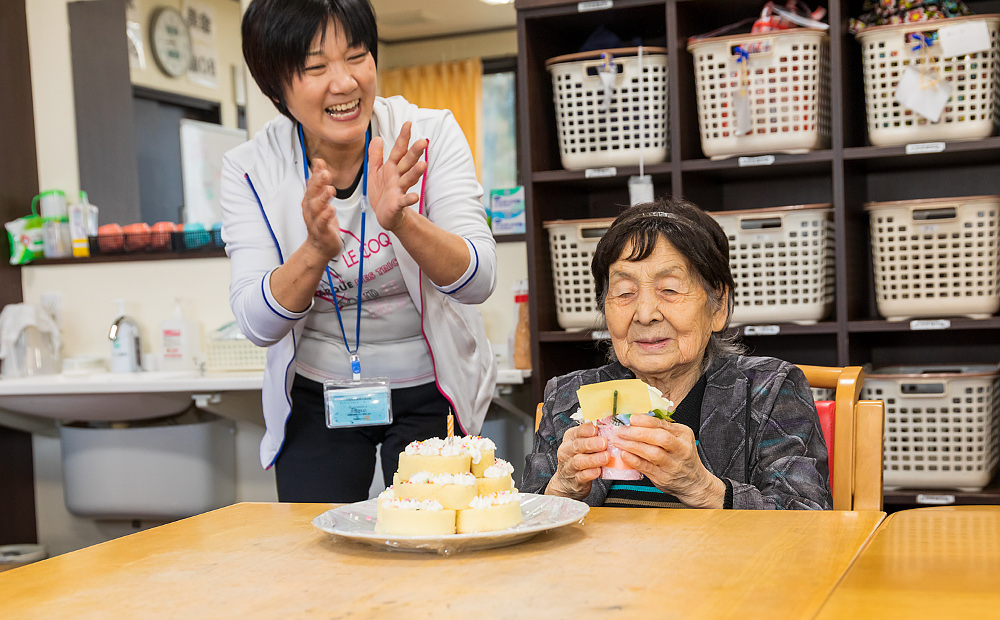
{"points": [[277, 35], [695, 234]]}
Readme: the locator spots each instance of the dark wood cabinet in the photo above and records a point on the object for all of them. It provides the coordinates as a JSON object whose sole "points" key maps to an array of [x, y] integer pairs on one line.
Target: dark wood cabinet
{"points": [[847, 175]]}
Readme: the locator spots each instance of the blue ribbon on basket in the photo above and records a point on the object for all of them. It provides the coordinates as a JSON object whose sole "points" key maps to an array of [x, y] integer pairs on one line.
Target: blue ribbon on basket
{"points": [[744, 55], [922, 41]]}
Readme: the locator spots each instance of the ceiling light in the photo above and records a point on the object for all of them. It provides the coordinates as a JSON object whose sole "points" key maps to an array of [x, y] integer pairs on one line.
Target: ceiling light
{"points": [[497, 1]]}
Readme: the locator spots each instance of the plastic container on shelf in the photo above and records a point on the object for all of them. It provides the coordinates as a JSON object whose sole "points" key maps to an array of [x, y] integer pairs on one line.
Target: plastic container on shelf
{"points": [[942, 424], [229, 350], [779, 82], [782, 262], [936, 257], [571, 246], [972, 112], [614, 124]]}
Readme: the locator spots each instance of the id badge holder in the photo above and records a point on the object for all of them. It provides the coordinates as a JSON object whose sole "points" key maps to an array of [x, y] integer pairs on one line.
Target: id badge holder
{"points": [[361, 402]]}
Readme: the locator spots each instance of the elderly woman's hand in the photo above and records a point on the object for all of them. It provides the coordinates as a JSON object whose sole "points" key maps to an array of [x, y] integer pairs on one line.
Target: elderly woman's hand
{"points": [[666, 453], [581, 456]]}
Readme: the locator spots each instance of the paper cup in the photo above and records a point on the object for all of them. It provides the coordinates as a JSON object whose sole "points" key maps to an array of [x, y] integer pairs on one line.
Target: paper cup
{"points": [[616, 469]]}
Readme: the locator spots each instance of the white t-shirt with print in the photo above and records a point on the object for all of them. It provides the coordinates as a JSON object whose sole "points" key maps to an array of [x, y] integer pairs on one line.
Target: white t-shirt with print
{"points": [[392, 344]]}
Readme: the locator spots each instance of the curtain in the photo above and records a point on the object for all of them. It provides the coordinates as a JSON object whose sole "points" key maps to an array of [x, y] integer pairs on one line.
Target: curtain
{"points": [[455, 86]]}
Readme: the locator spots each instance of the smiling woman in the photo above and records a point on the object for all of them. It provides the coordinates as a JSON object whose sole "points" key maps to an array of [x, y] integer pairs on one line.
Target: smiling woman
{"points": [[745, 433], [329, 228]]}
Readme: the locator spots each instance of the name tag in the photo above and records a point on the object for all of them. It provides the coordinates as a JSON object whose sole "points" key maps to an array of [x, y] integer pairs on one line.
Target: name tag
{"points": [[357, 403]]}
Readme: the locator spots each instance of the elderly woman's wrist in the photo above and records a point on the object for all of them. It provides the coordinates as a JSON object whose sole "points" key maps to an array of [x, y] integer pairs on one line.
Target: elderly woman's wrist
{"points": [[711, 495]]}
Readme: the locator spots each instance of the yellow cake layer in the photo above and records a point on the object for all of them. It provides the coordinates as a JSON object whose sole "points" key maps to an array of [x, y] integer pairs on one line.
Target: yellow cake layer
{"points": [[489, 519], [488, 486], [410, 464], [486, 460], [451, 496], [403, 522]]}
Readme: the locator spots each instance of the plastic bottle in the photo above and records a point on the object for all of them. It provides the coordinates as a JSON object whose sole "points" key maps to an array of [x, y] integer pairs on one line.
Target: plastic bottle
{"points": [[126, 342], [78, 213], [521, 355], [180, 339]]}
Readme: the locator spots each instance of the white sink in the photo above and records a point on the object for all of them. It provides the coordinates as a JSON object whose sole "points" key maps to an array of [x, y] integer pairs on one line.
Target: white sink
{"points": [[107, 396]]}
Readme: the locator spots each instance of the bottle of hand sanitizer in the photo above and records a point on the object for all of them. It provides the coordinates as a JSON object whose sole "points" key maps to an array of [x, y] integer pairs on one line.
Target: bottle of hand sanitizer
{"points": [[181, 341]]}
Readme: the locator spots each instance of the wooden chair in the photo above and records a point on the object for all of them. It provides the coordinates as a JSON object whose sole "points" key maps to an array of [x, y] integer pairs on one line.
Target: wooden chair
{"points": [[856, 440]]}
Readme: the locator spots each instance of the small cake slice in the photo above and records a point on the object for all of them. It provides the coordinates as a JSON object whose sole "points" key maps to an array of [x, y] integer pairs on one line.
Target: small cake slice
{"points": [[434, 455], [382, 498], [409, 517], [454, 491], [489, 513], [482, 451], [496, 478]]}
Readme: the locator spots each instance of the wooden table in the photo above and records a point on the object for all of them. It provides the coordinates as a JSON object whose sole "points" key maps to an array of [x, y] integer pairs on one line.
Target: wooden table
{"points": [[267, 560], [926, 563]]}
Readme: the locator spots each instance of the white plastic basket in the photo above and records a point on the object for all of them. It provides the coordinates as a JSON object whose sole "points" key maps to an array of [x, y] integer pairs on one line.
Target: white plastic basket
{"points": [[942, 424], [974, 108], [782, 262], [226, 355], [789, 92], [571, 247], [936, 257], [631, 126]]}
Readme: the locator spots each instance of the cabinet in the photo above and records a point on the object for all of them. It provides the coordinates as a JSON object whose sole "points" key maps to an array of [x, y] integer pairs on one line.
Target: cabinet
{"points": [[847, 175]]}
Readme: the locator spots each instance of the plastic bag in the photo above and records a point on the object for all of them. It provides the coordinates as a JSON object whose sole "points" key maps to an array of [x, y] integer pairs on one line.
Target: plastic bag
{"points": [[26, 241]]}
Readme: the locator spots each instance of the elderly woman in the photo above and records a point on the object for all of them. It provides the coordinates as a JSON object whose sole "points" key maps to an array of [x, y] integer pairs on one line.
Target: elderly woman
{"points": [[745, 433]]}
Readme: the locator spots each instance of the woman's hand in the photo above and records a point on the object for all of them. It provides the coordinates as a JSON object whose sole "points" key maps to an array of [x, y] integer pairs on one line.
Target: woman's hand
{"points": [[666, 453], [388, 182], [581, 455], [323, 230]]}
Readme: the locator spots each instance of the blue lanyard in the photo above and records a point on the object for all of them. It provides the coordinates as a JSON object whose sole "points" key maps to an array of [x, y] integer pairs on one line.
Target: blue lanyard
{"points": [[355, 360]]}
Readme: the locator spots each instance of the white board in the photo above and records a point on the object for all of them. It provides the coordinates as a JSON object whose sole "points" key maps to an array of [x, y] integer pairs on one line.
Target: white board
{"points": [[202, 148]]}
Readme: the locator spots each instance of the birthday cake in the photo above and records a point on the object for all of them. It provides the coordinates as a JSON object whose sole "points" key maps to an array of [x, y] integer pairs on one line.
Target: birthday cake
{"points": [[457, 479]]}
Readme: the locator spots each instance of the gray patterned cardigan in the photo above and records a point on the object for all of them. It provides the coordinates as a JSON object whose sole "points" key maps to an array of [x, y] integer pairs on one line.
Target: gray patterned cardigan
{"points": [[787, 462]]}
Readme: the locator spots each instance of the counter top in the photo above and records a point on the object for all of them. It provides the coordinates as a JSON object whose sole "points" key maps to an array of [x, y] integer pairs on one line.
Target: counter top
{"points": [[130, 382]]}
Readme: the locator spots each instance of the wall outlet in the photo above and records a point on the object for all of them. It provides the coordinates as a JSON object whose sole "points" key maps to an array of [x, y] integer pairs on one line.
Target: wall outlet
{"points": [[52, 302]]}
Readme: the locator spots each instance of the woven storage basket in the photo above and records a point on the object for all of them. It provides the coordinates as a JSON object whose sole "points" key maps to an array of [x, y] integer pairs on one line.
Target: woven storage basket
{"points": [[631, 127], [789, 92], [782, 261], [936, 257], [571, 246], [942, 424], [235, 355], [974, 108]]}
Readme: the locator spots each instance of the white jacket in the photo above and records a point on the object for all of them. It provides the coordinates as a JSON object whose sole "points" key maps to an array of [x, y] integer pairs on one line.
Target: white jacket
{"points": [[263, 182]]}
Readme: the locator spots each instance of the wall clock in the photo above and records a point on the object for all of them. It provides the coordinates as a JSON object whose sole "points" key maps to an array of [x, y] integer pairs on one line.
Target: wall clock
{"points": [[170, 41]]}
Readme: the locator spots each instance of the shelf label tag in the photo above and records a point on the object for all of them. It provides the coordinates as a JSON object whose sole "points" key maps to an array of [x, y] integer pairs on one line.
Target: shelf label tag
{"points": [[598, 334], [761, 160], [925, 147], [936, 500], [600, 173], [964, 38], [919, 325], [596, 5], [761, 330]]}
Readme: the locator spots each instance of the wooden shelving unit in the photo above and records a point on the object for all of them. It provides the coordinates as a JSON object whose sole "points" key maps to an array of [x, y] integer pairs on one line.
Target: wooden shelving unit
{"points": [[847, 175]]}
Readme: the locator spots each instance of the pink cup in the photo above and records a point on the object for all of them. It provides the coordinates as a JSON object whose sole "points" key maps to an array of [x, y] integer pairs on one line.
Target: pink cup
{"points": [[616, 469]]}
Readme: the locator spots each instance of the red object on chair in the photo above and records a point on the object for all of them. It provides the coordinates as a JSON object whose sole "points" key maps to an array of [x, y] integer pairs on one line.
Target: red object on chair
{"points": [[827, 410]]}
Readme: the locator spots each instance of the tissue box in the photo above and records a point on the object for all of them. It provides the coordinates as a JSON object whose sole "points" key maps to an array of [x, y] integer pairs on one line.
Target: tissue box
{"points": [[507, 211]]}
